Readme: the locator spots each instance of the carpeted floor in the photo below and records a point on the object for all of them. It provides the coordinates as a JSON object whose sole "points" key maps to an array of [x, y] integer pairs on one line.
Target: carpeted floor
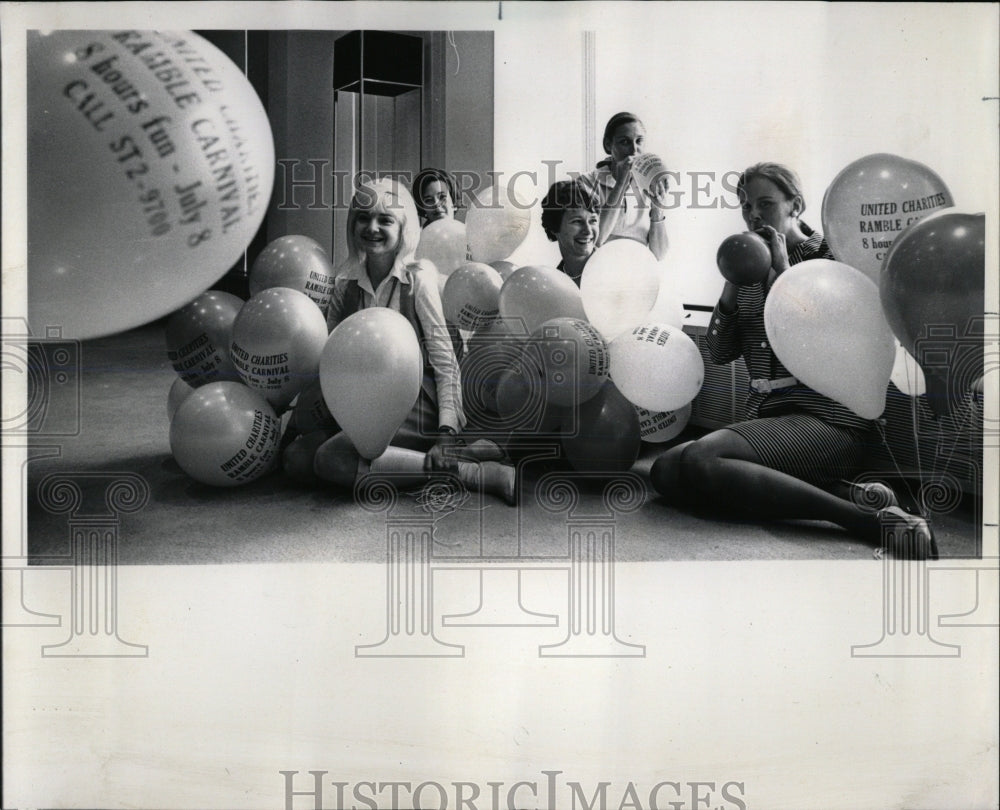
{"points": [[123, 428]]}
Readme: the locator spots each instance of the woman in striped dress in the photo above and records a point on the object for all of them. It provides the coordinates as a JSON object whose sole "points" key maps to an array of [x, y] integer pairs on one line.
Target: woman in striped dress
{"points": [[795, 443]]}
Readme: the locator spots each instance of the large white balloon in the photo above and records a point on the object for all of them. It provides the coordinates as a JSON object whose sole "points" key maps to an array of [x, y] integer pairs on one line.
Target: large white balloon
{"points": [[620, 284], [497, 224], [825, 323], [150, 166], [657, 367]]}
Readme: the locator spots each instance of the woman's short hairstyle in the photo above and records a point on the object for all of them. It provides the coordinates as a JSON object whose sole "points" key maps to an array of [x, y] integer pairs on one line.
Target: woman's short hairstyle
{"points": [[385, 196], [617, 120], [783, 177], [426, 176], [561, 196]]}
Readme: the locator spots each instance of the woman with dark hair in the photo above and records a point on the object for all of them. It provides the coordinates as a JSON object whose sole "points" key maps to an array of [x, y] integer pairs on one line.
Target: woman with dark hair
{"points": [[570, 216], [641, 217], [436, 195], [795, 444]]}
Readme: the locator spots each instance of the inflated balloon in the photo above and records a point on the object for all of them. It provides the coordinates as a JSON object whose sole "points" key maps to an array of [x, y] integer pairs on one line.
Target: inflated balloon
{"points": [[606, 436], [522, 405], [471, 296], [296, 262], [177, 394], [649, 171], [224, 434], [491, 351], [573, 357], [198, 337], [657, 367], [933, 293], [504, 268], [906, 374], [619, 286], [668, 308], [496, 224], [826, 326], [278, 338], [370, 373], [743, 258], [662, 427], [871, 201], [298, 458], [151, 163], [310, 413], [534, 294], [443, 242]]}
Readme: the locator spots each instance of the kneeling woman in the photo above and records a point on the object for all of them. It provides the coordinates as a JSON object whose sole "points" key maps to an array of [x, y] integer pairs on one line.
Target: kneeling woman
{"points": [[795, 441], [381, 271]]}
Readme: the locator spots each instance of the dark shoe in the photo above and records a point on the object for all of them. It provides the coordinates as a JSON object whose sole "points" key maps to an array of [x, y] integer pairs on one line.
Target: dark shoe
{"points": [[905, 536]]}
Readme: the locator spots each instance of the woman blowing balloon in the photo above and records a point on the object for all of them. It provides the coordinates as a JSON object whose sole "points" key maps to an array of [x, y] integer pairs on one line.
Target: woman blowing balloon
{"points": [[626, 213], [381, 271], [794, 441]]}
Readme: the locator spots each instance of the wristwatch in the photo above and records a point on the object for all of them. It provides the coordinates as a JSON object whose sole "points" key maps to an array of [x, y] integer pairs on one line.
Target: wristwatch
{"points": [[447, 430]]}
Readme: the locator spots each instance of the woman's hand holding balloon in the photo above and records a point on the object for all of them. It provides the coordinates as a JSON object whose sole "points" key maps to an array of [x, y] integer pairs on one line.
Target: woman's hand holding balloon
{"points": [[779, 249]]}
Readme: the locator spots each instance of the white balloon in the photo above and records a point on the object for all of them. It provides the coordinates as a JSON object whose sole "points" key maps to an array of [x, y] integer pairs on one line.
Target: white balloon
{"points": [[151, 164], [906, 374], [663, 426], [444, 244], [825, 322], [657, 367], [619, 286], [497, 224], [648, 169]]}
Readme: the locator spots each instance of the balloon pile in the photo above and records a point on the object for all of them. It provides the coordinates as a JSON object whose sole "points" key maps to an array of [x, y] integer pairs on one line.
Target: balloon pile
{"points": [[144, 190], [570, 365], [246, 361]]}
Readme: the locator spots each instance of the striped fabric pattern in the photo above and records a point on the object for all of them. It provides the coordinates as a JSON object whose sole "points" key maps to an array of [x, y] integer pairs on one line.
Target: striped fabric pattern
{"points": [[796, 430]]}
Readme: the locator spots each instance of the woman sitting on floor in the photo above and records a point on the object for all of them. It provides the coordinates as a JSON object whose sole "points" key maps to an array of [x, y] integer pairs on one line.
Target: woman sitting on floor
{"points": [[794, 440], [382, 234]]}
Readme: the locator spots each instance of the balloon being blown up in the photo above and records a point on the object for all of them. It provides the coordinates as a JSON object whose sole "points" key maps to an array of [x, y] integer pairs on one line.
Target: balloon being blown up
{"points": [[150, 166]]}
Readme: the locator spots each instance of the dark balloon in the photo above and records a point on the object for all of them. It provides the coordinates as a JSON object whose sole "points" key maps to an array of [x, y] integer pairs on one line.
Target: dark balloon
{"points": [[932, 289], [606, 436]]}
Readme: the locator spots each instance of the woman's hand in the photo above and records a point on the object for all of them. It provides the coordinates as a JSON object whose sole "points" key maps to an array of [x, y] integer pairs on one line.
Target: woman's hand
{"points": [[439, 458], [621, 169], [779, 250]]}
